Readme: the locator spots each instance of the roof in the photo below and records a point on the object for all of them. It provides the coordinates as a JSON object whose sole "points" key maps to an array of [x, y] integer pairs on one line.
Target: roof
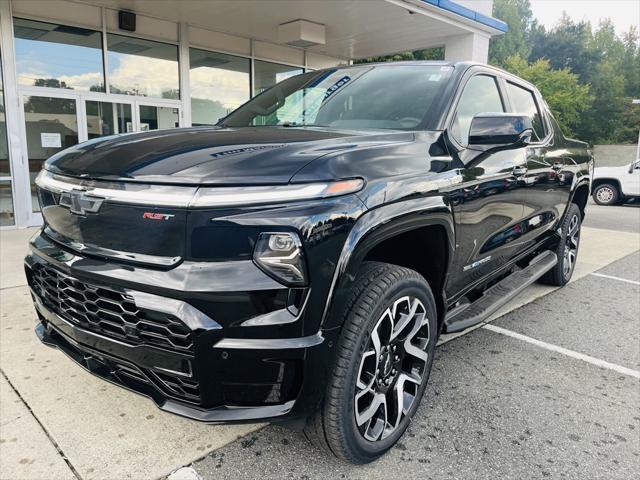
{"points": [[465, 12]]}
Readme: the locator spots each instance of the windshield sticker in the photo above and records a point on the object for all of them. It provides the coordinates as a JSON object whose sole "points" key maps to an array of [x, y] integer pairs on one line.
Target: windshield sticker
{"points": [[336, 86]]}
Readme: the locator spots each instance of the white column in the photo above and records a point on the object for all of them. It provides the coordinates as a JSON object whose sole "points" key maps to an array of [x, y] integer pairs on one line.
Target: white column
{"points": [[471, 46], [184, 63], [17, 151]]}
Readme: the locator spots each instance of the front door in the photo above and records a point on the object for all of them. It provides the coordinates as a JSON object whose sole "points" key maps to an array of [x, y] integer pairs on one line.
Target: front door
{"points": [[631, 180], [487, 205]]}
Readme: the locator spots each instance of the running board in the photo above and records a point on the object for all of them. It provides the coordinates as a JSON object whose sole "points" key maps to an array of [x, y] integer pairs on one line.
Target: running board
{"points": [[499, 294]]}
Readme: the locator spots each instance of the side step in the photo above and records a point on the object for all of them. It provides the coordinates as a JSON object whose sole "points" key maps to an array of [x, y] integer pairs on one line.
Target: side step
{"points": [[499, 294]]}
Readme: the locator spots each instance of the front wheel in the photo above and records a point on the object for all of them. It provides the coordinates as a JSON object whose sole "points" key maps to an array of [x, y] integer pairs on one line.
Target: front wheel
{"points": [[382, 365], [606, 194]]}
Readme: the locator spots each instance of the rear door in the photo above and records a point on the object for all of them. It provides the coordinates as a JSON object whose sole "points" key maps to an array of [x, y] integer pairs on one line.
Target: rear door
{"points": [[488, 204], [550, 166]]}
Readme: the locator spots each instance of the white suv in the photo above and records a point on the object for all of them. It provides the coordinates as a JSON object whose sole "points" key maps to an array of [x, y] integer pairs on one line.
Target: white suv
{"points": [[612, 185]]}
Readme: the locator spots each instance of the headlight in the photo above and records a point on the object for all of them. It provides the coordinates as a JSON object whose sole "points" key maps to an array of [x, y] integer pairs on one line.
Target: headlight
{"points": [[280, 255], [241, 196]]}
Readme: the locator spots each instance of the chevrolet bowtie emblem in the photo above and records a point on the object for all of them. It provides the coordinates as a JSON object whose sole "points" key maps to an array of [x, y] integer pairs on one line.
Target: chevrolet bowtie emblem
{"points": [[79, 202]]}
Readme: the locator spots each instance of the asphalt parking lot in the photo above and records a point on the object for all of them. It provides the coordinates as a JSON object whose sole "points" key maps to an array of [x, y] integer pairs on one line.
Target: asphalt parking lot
{"points": [[549, 389]]}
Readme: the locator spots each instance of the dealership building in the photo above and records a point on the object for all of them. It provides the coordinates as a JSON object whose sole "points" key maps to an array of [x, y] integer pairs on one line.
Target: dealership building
{"points": [[74, 70]]}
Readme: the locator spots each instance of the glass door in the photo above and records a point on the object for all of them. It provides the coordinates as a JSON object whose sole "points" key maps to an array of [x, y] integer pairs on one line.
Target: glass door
{"points": [[54, 121], [158, 116], [107, 118], [50, 125]]}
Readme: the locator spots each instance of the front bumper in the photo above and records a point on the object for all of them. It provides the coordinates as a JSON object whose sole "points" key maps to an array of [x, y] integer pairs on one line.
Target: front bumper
{"points": [[120, 334]]}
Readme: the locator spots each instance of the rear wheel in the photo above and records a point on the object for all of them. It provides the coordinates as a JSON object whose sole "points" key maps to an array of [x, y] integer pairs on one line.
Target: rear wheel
{"points": [[567, 249], [382, 364], [606, 194]]}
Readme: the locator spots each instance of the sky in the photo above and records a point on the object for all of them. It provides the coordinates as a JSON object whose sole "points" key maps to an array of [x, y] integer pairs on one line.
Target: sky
{"points": [[624, 13]]}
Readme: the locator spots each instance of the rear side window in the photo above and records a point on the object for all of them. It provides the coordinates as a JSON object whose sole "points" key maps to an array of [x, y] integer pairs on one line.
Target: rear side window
{"points": [[524, 103], [480, 95]]}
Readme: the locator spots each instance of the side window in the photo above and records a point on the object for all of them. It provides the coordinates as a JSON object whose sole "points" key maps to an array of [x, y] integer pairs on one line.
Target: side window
{"points": [[480, 95], [523, 102]]}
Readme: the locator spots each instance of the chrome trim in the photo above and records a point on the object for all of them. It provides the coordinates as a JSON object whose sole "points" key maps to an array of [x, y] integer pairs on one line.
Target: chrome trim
{"points": [[85, 249], [183, 197], [119, 192], [188, 314], [277, 317], [270, 343], [256, 195], [183, 311]]}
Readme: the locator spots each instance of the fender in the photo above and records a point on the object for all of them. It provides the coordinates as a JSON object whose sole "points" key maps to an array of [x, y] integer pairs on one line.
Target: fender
{"points": [[582, 180], [376, 226]]}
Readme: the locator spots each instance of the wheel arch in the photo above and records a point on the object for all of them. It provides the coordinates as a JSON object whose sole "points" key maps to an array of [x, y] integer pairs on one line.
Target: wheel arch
{"points": [[580, 197], [389, 234], [606, 180]]}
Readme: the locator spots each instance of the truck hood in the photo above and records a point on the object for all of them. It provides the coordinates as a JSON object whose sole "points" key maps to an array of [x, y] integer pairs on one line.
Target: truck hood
{"points": [[210, 155]]}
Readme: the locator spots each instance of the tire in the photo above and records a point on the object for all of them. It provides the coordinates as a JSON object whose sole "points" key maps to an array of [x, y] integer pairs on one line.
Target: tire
{"points": [[355, 430], [566, 250], [606, 194]]}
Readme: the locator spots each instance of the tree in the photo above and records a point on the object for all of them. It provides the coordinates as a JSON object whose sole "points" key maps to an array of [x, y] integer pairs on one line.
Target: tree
{"points": [[566, 97], [603, 119], [568, 45], [517, 14]]}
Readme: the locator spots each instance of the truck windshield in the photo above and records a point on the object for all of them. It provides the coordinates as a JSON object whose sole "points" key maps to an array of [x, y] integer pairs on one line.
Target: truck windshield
{"points": [[394, 97]]}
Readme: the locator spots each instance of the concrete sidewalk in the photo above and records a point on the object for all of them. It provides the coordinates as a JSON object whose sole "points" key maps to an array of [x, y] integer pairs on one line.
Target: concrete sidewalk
{"points": [[58, 421]]}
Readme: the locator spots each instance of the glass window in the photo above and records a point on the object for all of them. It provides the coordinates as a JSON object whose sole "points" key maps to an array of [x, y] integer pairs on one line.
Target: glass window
{"points": [[51, 126], [156, 118], [341, 98], [142, 67], [220, 83], [267, 74], [106, 118], [480, 95], [523, 102], [5, 169], [59, 56], [6, 204]]}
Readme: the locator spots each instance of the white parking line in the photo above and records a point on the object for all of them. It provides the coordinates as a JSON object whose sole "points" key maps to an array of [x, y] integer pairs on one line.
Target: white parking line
{"points": [[564, 351], [633, 282]]}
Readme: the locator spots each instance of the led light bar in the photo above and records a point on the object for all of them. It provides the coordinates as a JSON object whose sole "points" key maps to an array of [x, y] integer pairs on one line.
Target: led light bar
{"points": [[181, 196], [237, 196]]}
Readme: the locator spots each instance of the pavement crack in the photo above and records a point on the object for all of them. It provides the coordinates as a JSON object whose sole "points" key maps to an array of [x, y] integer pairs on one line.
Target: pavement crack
{"points": [[46, 432], [13, 286]]}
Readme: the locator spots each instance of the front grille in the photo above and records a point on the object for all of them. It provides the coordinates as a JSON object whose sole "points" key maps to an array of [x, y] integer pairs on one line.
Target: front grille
{"points": [[187, 388], [130, 375], [108, 312]]}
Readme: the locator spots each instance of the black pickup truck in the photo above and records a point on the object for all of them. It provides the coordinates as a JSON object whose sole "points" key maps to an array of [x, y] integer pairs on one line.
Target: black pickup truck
{"points": [[298, 261]]}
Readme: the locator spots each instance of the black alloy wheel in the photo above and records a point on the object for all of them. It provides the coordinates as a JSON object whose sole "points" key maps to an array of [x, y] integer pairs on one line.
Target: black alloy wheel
{"points": [[382, 364], [566, 249]]}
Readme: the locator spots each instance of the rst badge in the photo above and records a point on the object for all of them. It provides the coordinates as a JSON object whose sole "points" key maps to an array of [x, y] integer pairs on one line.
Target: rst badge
{"points": [[79, 202], [157, 216]]}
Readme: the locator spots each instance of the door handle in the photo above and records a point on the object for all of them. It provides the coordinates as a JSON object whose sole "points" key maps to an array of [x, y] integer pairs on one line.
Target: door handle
{"points": [[520, 170]]}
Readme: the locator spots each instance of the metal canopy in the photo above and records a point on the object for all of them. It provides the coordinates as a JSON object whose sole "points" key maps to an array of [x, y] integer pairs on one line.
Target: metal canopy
{"points": [[354, 28]]}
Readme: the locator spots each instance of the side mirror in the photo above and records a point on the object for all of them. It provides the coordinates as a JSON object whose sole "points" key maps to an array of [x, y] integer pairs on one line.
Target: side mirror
{"points": [[634, 166], [501, 131]]}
